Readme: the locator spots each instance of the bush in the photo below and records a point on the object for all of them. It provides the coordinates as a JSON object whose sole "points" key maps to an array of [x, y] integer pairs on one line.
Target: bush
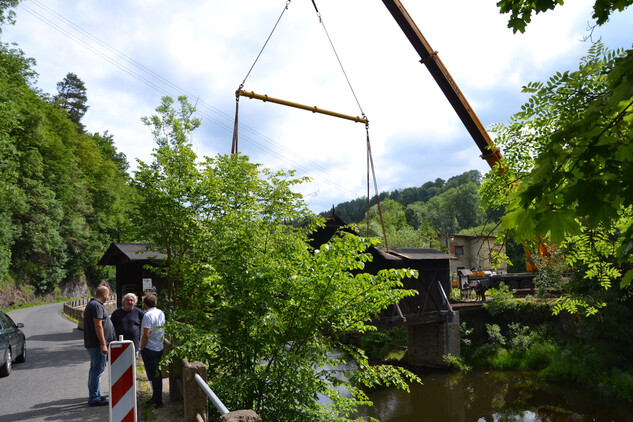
{"points": [[539, 355], [618, 384], [500, 300], [456, 362], [504, 359]]}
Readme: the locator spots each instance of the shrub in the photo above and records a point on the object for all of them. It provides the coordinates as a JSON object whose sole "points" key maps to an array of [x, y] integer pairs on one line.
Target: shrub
{"points": [[539, 355], [456, 362], [500, 300]]}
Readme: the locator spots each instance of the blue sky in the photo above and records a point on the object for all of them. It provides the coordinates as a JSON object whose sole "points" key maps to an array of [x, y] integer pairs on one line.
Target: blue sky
{"points": [[131, 53]]}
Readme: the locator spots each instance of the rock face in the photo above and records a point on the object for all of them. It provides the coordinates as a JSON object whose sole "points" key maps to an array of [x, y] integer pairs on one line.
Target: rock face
{"points": [[11, 295], [75, 289]]}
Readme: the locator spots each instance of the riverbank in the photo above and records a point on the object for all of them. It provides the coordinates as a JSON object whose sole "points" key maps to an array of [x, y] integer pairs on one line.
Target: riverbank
{"points": [[524, 334]]}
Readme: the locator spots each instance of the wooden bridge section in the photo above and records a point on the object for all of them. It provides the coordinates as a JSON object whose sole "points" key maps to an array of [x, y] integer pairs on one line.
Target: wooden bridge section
{"points": [[432, 325], [431, 304]]}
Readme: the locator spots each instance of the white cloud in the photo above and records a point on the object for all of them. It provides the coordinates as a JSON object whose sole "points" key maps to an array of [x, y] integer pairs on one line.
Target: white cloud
{"points": [[129, 54]]}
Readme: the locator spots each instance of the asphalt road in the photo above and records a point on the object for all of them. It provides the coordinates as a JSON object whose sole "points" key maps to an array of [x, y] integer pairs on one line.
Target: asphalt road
{"points": [[52, 384]]}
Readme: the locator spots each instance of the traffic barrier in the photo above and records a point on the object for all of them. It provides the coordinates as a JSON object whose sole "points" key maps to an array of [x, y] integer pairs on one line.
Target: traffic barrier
{"points": [[122, 371]]}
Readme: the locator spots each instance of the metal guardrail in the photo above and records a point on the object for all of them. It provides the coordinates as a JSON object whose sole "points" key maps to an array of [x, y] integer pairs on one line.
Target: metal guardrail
{"points": [[211, 395], [444, 296]]}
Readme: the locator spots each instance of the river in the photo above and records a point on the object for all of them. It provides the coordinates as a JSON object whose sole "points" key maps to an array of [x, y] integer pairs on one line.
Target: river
{"points": [[493, 396]]}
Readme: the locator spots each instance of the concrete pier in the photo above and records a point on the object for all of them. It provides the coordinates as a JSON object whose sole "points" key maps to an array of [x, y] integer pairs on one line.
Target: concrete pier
{"points": [[429, 342]]}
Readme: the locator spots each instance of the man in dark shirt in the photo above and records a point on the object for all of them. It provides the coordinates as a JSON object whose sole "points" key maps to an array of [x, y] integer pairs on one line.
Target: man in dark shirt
{"points": [[127, 320], [98, 333]]}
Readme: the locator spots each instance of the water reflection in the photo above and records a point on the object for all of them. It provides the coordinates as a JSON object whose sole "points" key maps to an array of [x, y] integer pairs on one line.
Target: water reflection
{"points": [[493, 397]]}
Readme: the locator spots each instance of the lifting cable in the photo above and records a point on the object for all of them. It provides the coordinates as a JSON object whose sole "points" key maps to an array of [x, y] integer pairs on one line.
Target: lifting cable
{"points": [[337, 57], [370, 161], [237, 98]]}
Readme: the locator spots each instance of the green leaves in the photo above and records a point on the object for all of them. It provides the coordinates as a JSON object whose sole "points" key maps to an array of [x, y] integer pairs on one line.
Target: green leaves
{"points": [[521, 10], [59, 191], [569, 150], [270, 311]]}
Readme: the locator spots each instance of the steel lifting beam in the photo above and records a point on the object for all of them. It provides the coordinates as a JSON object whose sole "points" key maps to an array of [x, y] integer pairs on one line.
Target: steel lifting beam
{"points": [[314, 109], [431, 60]]}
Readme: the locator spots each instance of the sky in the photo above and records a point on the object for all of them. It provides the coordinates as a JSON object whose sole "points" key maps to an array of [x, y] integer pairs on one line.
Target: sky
{"points": [[353, 60]]}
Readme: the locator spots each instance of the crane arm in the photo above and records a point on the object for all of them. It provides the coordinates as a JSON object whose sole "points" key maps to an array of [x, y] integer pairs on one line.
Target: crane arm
{"points": [[446, 83]]}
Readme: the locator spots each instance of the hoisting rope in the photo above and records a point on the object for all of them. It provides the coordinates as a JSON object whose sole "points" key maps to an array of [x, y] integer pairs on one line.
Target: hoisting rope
{"points": [[237, 98], [337, 57], [370, 161]]}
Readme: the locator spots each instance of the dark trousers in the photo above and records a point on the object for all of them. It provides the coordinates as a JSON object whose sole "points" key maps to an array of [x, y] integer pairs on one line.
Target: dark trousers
{"points": [[151, 360]]}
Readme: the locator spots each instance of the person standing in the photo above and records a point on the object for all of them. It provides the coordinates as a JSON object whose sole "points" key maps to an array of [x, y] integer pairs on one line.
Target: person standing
{"points": [[152, 347], [127, 320], [98, 333]]}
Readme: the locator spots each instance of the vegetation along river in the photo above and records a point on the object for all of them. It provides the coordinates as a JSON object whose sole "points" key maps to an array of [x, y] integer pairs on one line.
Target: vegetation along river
{"points": [[493, 396]]}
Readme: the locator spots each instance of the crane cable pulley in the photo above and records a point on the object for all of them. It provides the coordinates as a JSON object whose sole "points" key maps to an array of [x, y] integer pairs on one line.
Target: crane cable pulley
{"points": [[240, 92]]}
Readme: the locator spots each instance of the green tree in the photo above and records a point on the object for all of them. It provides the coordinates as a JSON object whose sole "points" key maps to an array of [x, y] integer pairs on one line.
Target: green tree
{"points": [[166, 207], [399, 233], [15, 73], [71, 96], [59, 203], [570, 149], [274, 313], [265, 312], [7, 14]]}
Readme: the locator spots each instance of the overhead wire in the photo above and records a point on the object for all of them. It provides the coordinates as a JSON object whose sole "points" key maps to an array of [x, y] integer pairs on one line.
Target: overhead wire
{"points": [[151, 79]]}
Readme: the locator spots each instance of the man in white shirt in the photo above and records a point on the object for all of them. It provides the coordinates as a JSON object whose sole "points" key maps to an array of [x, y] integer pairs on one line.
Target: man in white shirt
{"points": [[152, 347]]}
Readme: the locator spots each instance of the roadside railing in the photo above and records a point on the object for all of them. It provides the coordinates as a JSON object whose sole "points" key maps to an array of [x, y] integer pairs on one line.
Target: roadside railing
{"points": [[211, 395], [75, 309], [188, 383]]}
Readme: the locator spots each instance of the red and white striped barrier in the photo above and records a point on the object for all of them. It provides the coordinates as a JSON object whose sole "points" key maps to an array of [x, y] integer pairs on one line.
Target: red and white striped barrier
{"points": [[122, 360]]}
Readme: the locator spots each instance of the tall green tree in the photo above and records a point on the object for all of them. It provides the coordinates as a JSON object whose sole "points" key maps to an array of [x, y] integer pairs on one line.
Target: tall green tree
{"points": [[166, 212], [61, 193], [265, 312], [71, 96], [15, 74], [274, 313]]}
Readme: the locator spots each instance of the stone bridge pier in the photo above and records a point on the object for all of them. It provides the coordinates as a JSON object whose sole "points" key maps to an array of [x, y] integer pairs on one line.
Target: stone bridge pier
{"points": [[428, 342]]}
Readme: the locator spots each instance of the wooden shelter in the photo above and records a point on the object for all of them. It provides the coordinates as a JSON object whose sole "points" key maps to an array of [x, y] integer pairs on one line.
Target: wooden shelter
{"points": [[134, 263]]}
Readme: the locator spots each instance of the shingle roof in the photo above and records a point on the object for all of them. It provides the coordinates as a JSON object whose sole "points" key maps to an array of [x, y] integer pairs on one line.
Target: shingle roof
{"points": [[413, 253], [124, 253]]}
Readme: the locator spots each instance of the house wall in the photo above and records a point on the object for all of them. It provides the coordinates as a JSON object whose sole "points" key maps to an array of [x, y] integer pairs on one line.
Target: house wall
{"points": [[477, 250]]}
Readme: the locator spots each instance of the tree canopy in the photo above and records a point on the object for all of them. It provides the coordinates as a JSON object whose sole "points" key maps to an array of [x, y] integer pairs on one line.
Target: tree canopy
{"points": [[62, 196], [71, 96], [265, 312], [521, 10], [569, 148]]}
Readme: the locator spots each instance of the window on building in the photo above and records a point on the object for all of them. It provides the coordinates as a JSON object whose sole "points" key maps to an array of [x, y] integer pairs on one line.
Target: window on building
{"points": [[459, 250]]}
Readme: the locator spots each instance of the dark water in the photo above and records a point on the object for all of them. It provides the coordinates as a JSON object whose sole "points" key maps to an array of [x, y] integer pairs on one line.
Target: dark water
{"points": [[493, 396]]}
